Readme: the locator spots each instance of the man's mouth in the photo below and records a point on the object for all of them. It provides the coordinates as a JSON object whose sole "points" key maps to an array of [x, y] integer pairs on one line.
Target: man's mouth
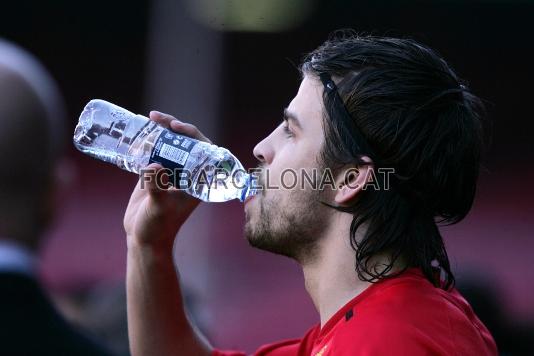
{"points": [[249, 198]]}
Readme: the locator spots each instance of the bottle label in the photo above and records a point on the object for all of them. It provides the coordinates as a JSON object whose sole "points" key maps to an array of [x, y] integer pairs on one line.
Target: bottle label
{"points": [[172, 151]]}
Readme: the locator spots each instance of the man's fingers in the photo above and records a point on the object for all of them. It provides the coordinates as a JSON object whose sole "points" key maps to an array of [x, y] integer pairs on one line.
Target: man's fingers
{"points": [[155, 179], [170, 122], [162, 119], [188, 130]]}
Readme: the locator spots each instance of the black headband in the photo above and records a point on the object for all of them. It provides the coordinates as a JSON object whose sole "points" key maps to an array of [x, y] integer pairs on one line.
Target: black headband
{"points": [[340, 109]]}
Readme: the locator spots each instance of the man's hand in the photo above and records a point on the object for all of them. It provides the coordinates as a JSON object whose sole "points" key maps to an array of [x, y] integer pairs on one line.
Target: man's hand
{"points": [[155, 213], [157, 323]]}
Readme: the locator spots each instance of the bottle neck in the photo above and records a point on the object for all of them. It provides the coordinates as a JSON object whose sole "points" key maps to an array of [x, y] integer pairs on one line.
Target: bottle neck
{"points": [[250, 188]]}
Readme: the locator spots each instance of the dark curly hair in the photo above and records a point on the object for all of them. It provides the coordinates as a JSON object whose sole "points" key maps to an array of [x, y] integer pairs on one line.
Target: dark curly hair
{"points": [[419, 118]]}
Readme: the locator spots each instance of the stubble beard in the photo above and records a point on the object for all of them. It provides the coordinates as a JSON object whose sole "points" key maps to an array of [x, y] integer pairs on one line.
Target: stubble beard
{"points": [[290, 227]]}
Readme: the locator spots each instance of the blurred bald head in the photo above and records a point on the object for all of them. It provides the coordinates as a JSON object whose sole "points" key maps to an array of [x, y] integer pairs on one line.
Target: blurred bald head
{"points": [[31, 135]]}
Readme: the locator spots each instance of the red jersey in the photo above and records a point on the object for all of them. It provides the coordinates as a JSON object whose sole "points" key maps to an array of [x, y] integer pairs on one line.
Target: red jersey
{"points": [[404, 315]]}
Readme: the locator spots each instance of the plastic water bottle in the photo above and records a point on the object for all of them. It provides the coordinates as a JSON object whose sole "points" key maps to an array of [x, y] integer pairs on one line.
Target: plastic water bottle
{"points": [[131, 142]]}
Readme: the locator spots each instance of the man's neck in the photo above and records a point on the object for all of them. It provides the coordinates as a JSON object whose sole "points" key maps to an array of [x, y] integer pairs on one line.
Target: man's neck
{"points": [[330, 278], [332, 282]]}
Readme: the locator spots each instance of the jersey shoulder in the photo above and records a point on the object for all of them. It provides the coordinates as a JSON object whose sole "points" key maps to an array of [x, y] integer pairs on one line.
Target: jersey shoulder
{"points": [[412, 317]]}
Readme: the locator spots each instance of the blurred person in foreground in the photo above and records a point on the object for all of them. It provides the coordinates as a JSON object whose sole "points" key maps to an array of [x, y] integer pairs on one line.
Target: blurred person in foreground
{"points": [[373, 260], [32, 121]]}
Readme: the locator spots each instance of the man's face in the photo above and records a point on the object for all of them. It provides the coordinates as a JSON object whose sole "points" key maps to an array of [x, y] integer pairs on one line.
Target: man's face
{"points": [[290, 220]]}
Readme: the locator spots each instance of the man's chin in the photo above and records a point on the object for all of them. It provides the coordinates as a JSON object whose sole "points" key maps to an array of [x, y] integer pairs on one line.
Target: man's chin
{"points": [[265, 241], [249, 231], [252, 232]]}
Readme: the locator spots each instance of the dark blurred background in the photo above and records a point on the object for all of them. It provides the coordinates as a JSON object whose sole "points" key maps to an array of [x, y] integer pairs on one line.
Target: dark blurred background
{"points": [[229, 67]]}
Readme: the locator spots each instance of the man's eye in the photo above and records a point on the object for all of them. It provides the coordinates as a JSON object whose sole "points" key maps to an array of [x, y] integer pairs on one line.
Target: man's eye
{"points": [[288, 131]]}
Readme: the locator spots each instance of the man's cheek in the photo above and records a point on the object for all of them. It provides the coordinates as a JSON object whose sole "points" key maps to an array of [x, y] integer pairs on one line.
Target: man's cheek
{"points": [[271, 180]]}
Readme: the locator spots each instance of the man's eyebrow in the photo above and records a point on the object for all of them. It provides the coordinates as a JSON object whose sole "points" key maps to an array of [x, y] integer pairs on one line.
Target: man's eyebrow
{"points": [[290, 116]]}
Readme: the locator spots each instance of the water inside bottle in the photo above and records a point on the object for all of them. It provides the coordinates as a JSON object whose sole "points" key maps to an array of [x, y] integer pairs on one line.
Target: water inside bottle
{"points": [[115, 135], [112, 134]]}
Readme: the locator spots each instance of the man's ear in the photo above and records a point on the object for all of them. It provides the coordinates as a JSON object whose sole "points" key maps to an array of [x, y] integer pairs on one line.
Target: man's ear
{"points": [[351, 182]]}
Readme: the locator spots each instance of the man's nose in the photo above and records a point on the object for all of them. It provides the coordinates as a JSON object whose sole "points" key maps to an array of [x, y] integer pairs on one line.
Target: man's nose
{"points": [[264, 151]]}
